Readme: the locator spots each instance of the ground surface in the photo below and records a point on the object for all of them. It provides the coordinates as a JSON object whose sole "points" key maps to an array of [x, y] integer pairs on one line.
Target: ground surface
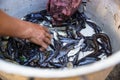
{"points": [[115, 74]]}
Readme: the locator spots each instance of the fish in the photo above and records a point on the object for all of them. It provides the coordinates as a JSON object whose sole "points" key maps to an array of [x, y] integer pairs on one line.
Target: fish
{"points": [[76, 42]]}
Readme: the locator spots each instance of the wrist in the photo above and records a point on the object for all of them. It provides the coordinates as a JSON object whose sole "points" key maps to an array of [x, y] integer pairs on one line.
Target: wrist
{"points": [[14, 27]]}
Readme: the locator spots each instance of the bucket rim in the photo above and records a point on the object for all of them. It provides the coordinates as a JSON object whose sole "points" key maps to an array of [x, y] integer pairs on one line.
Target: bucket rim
{"points": [[60, 73]]}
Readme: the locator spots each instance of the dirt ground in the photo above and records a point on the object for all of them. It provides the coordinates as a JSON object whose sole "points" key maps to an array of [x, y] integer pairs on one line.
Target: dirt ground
{"points": [[115, 74]]}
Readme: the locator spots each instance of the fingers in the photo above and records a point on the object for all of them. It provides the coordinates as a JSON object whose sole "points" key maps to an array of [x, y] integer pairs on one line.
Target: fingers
{"points": [[42, 49], [43, 43], [40, 36], [47, 41], [48, 35], [46, 29]]}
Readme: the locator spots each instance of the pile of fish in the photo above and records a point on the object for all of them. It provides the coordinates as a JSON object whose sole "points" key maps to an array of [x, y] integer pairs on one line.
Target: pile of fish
{"points": [[77, 41]]}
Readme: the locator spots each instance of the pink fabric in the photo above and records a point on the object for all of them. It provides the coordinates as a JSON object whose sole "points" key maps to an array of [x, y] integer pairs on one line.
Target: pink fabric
{"points": [[62, 9]]}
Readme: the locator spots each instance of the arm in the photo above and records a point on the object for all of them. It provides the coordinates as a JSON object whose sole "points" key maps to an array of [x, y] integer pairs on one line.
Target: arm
{"points": [[13, 27]]}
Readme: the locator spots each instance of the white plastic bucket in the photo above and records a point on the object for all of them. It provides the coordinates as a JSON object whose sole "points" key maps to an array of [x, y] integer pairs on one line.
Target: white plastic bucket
{"points": [[105, 12]]}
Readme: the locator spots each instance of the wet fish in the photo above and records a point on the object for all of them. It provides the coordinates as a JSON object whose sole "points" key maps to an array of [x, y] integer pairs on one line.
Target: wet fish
{"points": [[78, 41]]}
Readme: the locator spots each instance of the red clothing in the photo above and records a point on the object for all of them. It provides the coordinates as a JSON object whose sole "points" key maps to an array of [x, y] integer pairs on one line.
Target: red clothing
{"points": [[62, 9]]}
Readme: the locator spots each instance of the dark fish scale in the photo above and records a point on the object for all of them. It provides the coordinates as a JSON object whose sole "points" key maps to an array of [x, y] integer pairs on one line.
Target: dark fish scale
{"points": [[28, 54]]}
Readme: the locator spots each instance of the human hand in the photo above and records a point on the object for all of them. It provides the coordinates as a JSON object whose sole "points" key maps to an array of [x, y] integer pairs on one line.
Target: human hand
{"points": [[25, 30], [38, 35]]}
